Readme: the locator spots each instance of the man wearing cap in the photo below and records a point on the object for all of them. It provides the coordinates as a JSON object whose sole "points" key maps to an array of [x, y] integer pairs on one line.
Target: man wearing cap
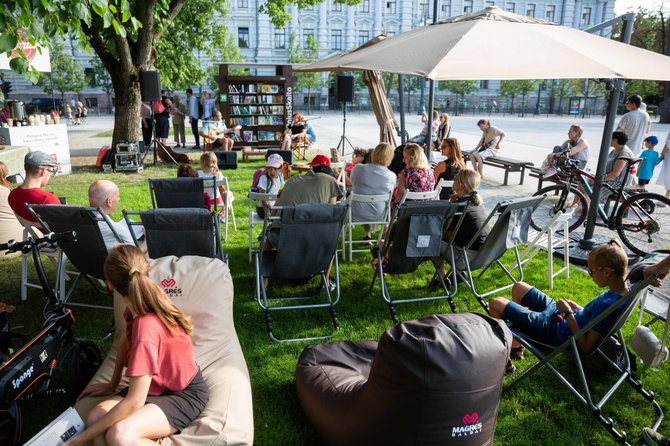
{"points": [[39, 168], [315, 186], [270, 181], [635, 124]]}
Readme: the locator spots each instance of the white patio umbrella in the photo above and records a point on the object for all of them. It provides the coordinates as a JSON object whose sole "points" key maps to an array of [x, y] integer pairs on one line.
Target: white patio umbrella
{"points": [[496, 44]]}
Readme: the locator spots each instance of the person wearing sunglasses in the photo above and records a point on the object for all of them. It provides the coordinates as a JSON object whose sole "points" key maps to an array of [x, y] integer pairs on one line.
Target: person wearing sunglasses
{"points": [[39, 167]]}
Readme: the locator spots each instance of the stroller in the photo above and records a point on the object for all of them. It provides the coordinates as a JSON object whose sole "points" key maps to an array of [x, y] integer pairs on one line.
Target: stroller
{"points": [[26, 373]]}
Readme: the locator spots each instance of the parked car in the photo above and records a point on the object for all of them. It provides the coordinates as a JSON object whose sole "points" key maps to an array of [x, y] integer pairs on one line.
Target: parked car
{"points": [[43, 105]]}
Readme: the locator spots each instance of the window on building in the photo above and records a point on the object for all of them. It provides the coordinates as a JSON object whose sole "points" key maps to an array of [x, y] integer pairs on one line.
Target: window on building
{"points": [[586, 16], [242, 3], [467, 6], [280, 38], [489, 4], [446, 8], [551, 12], [484, 85], [363, 37], [423, 10], [510, 6], [336, 39], [530, 10], [89, 74], [306, 33], [391, 7], [365, 6], [337, 7], [243, 37]]}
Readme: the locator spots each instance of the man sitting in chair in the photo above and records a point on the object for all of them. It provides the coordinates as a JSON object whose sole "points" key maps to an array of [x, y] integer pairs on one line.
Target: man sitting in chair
{"points": [[215, 131], [39, 168], [104, 194]]}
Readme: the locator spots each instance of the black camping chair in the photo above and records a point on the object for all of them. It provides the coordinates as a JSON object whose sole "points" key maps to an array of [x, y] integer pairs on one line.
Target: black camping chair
{"points": [[306, 247], [87, 252], [546, 354], [509, 231], [415, 236], [177, 193], [179, 232]]}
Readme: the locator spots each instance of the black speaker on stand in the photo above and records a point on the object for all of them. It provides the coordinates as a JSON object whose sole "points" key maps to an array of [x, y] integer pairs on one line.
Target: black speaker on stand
{"points": [[150, 91], [345, 93]]}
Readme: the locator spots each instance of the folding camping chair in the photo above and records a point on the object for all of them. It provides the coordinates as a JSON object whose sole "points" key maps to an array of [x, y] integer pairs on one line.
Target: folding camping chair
{"points": [[348, 241], [555, 234], [509, 231], [547, 353], [252, 217], [415, 236], [306, 247], [55, 255], [88, 251], [178, 232], [178, 192], [228, 213]]}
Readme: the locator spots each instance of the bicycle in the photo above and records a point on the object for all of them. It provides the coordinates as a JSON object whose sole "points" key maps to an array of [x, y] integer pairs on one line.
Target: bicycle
{"points": [[642, 220], [27, 373]]}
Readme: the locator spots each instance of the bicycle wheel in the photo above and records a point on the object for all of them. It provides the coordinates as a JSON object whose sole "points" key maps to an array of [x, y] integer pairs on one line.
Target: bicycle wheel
{"points": [[557, 198], [83, 361], [643, 223]]}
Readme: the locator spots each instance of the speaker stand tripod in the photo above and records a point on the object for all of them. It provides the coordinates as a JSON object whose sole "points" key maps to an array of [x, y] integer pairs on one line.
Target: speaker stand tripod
{"points": [[344, 138]]}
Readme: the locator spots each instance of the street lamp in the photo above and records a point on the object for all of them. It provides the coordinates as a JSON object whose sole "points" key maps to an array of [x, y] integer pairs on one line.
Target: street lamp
{"points": [[422, 98], [540, 86]]}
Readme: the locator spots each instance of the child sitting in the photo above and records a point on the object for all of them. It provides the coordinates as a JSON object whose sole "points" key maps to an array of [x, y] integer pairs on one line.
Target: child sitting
{"points": [[270, 181], [536, 314], [210, 169], [650, 158]]}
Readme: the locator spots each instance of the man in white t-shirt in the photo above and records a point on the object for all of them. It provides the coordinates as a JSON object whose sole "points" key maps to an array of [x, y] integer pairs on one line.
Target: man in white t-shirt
{"points": [[636, 124], [104, 194]]}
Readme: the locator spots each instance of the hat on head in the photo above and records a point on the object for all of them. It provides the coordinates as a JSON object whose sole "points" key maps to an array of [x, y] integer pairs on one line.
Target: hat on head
{"points": [[275, 160], [320, 159], [652, 139], [322, 168], [39, 159]]}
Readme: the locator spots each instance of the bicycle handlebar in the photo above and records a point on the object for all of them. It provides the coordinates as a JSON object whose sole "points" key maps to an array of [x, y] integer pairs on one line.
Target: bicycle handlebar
{"points": [[52, 238]]}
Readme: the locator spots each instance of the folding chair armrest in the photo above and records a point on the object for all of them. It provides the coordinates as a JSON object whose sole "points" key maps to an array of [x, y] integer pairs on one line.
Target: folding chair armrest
{"points": [[132, 223]]}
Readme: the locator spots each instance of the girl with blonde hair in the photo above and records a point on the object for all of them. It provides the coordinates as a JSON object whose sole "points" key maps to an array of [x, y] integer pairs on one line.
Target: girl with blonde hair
{"points": [[417, 176], [166, 390], [466, 183]]}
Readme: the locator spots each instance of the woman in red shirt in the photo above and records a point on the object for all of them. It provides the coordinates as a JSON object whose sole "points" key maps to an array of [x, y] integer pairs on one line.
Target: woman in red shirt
{"points": [[166, 390]]}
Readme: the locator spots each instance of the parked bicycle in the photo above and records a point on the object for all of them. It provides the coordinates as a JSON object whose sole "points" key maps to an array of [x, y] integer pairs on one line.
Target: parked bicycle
{"points": [[642, 220], [27, 373]]}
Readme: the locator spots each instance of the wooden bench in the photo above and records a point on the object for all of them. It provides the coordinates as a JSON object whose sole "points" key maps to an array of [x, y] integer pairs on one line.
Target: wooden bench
{"points": [[538, 173], [508, 164], [248, 152]]}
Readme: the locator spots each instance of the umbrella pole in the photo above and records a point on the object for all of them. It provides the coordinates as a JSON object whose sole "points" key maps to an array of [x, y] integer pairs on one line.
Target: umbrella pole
{"points": [[401, 104], [588, 242], [431, 100]]}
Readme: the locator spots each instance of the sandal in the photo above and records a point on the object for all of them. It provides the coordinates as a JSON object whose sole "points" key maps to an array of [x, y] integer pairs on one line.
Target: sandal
{"points": [[516, 353]]}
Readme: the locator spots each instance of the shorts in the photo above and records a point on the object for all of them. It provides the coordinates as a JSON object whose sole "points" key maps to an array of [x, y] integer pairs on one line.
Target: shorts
{"points": [[535, 316], [182, 407], [488, 153], [642, 182], [217, 144]]}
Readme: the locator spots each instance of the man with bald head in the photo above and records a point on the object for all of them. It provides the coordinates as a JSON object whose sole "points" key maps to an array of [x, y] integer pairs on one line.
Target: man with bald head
{"points": [[104, 194]]}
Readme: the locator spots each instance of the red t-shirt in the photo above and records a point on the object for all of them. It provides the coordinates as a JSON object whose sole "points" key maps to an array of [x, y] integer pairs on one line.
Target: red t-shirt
{"points": [[19, 197], [153, 351]]}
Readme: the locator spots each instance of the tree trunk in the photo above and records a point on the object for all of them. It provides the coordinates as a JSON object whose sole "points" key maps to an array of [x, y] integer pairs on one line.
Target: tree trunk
{"points": [[664, 108], [127, 107]]}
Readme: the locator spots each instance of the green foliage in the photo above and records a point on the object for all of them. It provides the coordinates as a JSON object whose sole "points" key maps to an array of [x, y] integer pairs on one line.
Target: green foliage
{"points": [[460, 88], [644, 88], [279, 10], [560, 88], [514, 88], [309, 52], [588, 88], [66, 74], [101, 76]]}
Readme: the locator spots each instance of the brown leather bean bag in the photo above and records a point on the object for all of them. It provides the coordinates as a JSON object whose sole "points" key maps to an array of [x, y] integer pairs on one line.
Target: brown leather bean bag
{"points": [[435, 381]]}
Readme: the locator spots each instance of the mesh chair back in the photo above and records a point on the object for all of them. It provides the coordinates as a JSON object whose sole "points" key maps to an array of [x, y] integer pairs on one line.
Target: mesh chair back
{"points": [[88, 251], [509, 230], [410, 248], [307, 239], [177, 193], [179, 232]]}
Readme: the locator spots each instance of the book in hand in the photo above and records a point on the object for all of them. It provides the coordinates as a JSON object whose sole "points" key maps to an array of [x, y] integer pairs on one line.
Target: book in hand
{"points": [[67, 425]]}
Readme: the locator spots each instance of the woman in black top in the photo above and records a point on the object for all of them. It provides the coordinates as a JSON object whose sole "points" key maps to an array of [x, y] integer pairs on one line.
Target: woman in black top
{"points": [[442, 131], [466, 183], [447, 169], [296, 132]]}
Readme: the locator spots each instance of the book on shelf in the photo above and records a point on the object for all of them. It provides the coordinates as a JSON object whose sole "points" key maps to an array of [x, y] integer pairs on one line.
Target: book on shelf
{"points": [[269, 88], [248, 136], [248, 120]]}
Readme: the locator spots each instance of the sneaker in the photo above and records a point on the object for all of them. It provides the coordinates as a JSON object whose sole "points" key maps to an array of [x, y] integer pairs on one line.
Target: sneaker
{"points": [[651, 437], [549, 173], [510, 368]]}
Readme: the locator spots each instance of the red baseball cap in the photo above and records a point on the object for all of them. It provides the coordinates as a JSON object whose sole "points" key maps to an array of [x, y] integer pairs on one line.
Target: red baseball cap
{"points": [[320, 159]]}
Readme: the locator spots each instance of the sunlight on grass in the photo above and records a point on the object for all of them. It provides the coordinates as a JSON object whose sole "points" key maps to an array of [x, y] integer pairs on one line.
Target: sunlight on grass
{"points": [[538, 412]]}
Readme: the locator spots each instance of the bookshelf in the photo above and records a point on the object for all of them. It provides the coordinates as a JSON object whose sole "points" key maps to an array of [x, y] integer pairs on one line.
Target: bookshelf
{"points": [[262, 104]]}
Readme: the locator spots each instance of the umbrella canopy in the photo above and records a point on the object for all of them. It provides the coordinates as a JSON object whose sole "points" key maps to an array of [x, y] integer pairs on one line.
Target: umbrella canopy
{"points": [[496, 44]]}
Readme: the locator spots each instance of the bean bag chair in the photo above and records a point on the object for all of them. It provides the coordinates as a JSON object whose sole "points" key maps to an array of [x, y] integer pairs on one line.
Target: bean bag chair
{"points": [[435, 381], [203, 289]]}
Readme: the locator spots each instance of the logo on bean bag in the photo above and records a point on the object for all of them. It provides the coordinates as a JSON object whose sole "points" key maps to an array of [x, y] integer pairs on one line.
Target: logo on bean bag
{"points": [[170, 287], [471, 426]]}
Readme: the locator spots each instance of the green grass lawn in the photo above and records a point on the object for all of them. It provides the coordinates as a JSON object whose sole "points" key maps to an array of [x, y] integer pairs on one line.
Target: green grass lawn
{"points": [[539, 412]]}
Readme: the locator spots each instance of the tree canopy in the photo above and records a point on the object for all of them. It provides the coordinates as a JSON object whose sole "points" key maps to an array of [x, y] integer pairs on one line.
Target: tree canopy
{"points": [[66, 74]]}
